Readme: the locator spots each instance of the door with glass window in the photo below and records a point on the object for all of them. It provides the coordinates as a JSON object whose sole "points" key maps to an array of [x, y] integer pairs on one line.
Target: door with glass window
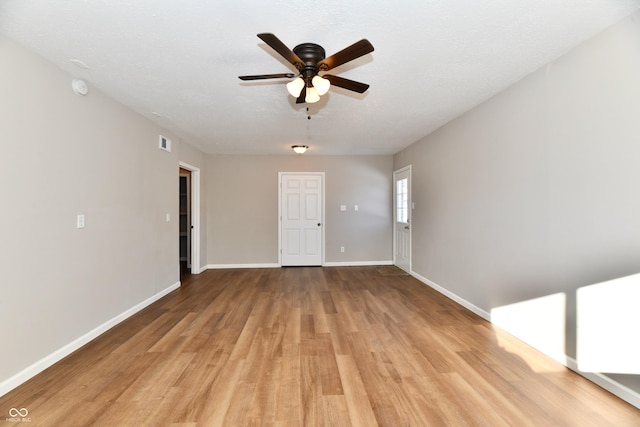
{"points": [[402, 218]]}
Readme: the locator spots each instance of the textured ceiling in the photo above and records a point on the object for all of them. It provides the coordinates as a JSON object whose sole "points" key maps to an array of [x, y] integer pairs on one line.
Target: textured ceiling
{"points": [[177, 62]]}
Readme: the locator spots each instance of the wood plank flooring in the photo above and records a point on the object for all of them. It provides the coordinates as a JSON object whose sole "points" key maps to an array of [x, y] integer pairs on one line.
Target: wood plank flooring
{"points": [[310, 346]]}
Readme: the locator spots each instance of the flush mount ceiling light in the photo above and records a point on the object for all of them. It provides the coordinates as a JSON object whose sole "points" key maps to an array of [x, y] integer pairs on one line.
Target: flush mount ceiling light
{"points": [[309, 59], [299, 149]]}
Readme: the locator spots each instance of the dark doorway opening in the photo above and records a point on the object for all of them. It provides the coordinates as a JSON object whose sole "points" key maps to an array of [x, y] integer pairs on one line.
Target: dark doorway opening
{"points": [[185, 226]]}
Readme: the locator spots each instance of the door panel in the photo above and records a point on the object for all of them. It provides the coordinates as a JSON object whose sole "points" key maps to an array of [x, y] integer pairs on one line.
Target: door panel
{"points": [[301, 219], [311, 206], [311, 240], [293, 206], [293, 242]]}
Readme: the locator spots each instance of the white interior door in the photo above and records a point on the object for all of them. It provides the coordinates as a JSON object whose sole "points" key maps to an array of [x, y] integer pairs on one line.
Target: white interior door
{"points": [[402, 206], [301, 218]]}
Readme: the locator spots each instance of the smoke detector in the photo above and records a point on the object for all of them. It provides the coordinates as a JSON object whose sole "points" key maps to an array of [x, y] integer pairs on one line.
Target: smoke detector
{"points": [[79, 87]]}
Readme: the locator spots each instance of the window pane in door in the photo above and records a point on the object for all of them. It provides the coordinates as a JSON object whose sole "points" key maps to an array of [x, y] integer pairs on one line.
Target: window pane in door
{"points": [[402, 202]]}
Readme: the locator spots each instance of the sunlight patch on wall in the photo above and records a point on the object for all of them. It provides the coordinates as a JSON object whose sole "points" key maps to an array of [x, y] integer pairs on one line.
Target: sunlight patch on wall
{"points": [[539, 322], [609, 326]]}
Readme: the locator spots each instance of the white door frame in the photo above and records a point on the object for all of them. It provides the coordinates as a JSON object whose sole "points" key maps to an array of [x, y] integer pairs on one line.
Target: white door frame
{"points": [[195, 216], [280, 174], [395, 213]]}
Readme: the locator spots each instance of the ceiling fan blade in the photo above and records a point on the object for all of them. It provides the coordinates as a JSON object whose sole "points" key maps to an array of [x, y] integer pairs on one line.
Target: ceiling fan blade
{"points": [[268, 76], [282, 49], [347, 54], [302, 97], [346, 83]]}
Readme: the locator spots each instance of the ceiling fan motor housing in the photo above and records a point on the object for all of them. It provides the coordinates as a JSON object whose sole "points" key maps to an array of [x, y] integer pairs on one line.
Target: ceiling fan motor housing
{"points": [[311, 54]]}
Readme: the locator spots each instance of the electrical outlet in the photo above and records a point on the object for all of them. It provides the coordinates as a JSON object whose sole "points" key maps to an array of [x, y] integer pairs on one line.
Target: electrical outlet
{"points": [[342, 249]]}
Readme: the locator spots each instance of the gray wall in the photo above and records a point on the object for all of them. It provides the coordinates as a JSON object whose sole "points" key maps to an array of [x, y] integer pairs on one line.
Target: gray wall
{"points": [[536, 192], [242, 207], [65, 155]]}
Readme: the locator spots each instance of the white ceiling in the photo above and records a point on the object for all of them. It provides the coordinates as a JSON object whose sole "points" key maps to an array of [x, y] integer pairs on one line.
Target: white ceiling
{"points": [[177, 62]]}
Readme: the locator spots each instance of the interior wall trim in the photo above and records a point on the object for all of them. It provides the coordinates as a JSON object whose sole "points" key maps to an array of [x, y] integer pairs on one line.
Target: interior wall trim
{"points": [[614, 387], [276, 265], [356, 263], [47, 361], [463, 302], [262, 265]]}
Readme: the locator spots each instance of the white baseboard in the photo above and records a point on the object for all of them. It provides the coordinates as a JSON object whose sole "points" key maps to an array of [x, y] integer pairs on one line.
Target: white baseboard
{"points": [[47, 361], [614, 387], [221, 266], [276, 265], [356, 263], [603, 381], [463, 302]]}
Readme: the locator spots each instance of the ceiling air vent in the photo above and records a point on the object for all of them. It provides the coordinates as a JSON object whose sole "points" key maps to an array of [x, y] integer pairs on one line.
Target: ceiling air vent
{"points": [[164, 143]]}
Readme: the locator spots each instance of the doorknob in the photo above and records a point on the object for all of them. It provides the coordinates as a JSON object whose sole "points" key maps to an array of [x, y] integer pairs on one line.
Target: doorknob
{"points": [[406, 227], [318, 224]]}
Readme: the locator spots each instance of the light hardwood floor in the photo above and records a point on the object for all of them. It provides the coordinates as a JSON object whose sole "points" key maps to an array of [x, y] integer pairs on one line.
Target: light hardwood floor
{"points": [[311, 346]]}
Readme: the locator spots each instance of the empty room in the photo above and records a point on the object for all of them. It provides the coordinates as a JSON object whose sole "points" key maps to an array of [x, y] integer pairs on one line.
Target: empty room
{"points": [[419, 213]]}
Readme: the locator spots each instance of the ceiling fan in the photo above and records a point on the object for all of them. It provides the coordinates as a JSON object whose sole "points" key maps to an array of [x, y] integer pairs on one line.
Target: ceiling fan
{"points": [[309, 59]]}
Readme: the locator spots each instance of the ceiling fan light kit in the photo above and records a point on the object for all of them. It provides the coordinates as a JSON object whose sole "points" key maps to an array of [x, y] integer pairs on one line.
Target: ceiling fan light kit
{"points": [[295, 87], [312, 95], [322, 85], [309, 59]]}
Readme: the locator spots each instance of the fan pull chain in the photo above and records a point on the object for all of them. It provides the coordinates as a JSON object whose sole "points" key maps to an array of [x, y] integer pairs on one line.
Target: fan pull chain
{"points": [[308, 116]]}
